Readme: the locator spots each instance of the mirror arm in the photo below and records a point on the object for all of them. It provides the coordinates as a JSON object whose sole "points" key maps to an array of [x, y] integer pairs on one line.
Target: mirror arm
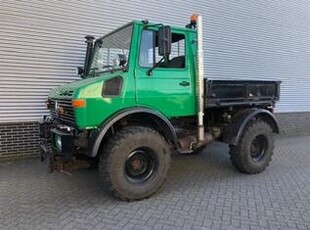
{"points": [[149, 72]]}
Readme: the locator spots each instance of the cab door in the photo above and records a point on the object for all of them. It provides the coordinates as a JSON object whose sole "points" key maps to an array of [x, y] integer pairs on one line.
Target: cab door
{"points": [[169, 87]]}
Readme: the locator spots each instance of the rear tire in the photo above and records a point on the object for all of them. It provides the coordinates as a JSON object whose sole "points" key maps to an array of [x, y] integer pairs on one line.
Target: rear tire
{"points": [[134, 163], [255, 148]]}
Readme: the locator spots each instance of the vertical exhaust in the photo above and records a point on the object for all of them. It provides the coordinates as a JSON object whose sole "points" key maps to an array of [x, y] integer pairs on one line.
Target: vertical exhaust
{"points": [[200, 77]]}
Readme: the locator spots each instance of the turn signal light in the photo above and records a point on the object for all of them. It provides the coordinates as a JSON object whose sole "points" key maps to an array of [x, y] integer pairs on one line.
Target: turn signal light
{"points": [[194, 18], [79, 103]]}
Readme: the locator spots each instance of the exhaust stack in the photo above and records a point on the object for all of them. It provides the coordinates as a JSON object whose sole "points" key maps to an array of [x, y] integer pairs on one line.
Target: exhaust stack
{"points": [[200, 77]]}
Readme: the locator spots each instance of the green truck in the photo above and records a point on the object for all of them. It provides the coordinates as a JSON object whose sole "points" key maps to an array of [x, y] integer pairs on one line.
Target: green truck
{"points": [[142, 95]]}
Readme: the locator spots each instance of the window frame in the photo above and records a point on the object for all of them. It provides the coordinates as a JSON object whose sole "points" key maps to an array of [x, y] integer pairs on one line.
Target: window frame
{"points": [[154, 55], [89, 75]]}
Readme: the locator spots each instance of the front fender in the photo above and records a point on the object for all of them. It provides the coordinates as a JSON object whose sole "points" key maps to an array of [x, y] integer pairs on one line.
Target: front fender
{"points": [[99, 135], [232, 133]]}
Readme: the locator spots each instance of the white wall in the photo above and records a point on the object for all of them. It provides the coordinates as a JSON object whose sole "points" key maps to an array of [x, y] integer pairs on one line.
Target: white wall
{"points": [[42, 42]]}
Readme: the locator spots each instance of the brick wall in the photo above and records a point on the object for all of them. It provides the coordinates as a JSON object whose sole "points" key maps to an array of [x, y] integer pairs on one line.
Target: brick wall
{"points": [[19, 139], [22, 139], [294, 123]]}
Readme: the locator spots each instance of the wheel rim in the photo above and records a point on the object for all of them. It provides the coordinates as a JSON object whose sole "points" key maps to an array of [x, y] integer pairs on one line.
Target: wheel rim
{"points": [[140, 165], [258, 148]]}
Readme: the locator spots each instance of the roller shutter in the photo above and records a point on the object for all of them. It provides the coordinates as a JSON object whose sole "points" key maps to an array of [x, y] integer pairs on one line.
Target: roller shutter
{"points": [[42, 42]]}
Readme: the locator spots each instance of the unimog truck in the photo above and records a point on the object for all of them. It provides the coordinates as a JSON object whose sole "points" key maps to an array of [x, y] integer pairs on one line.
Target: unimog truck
{"points": [[142, 95]]}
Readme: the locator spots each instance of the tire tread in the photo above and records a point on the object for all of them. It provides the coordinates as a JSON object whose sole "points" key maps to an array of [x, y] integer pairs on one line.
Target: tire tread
{"points": [[113, 143], [238, 159]]}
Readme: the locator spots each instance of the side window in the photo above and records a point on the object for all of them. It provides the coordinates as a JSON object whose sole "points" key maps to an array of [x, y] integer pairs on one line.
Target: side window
{"points": [[149, 51], [177, 46], [146, 57]]}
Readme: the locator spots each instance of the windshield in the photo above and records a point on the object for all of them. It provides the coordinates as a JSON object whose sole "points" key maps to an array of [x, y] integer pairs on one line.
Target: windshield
{"points": [[108, 49]]}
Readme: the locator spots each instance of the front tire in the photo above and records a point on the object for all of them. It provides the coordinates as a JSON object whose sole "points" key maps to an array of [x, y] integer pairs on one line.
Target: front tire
{"points": [[134, 163], [255, 148]]}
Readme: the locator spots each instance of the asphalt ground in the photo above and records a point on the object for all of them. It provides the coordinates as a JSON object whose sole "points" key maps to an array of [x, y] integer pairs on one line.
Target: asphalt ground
{"points": [[202, 191]]}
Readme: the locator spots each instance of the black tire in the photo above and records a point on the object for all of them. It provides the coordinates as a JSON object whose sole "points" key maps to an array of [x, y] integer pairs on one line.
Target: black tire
{"points": [[255, 148], [134, 163]]}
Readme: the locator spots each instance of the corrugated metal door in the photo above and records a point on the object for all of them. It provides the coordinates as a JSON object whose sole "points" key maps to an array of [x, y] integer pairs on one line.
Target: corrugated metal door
{"points": [[42, 42]]}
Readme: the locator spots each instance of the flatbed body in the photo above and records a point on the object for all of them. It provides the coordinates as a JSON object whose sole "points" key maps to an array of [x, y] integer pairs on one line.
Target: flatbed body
{"points": [[221, 93]]}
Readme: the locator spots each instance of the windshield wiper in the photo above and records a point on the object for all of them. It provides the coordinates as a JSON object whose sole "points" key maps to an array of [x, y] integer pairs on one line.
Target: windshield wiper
{"points": [[91, 71], [149, 72], [107, 66], [94, 72], [109, 69]]}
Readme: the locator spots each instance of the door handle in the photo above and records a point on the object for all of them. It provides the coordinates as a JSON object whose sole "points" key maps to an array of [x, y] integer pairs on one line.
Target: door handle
{"points": [[184, 83]]}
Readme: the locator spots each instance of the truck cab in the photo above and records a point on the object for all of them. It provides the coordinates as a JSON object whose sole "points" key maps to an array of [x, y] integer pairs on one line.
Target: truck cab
{"points": [[110, 85], [142, 95]]}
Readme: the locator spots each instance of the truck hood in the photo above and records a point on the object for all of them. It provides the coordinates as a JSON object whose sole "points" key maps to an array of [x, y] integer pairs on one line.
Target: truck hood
{"points": [[70, 90]]}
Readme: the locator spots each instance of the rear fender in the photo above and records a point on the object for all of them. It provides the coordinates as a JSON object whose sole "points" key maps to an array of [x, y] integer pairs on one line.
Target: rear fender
{"points": [[232, 133]]}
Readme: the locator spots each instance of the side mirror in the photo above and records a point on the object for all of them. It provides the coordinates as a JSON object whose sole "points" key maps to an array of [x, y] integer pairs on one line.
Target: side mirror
{"points": [[80, 70], [122, 59], [164, 41]]}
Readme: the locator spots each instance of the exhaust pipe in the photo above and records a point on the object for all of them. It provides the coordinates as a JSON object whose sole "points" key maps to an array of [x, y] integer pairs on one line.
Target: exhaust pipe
{"points": [[200, 76]]}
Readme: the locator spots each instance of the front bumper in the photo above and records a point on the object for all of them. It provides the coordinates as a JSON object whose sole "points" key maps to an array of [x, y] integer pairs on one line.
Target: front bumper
{"points": [[57, 148]]}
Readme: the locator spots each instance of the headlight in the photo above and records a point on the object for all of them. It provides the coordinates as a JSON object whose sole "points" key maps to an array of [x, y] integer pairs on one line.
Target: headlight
{"points": [[58, 143], [62, 141]]}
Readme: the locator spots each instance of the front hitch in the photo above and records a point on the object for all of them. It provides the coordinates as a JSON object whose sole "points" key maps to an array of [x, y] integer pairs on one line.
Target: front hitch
{"points": [[57, 162], [47, 156], [64, 159]]}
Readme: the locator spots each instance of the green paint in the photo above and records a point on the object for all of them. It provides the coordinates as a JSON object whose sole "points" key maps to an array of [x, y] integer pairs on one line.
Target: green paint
{"points": [[161, 91]]}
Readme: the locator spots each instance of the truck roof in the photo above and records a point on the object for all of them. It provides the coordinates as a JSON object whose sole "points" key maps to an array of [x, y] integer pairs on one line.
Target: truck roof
{"points": [[140, 22], [172, 26]]}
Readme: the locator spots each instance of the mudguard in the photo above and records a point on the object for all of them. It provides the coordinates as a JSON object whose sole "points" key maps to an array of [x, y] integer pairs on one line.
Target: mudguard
{"points": [[159, 119], [232, 133]]}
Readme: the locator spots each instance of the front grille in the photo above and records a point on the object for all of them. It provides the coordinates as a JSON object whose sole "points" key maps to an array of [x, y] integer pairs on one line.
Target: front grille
{"points": [[67, 93], [62, 111]]}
